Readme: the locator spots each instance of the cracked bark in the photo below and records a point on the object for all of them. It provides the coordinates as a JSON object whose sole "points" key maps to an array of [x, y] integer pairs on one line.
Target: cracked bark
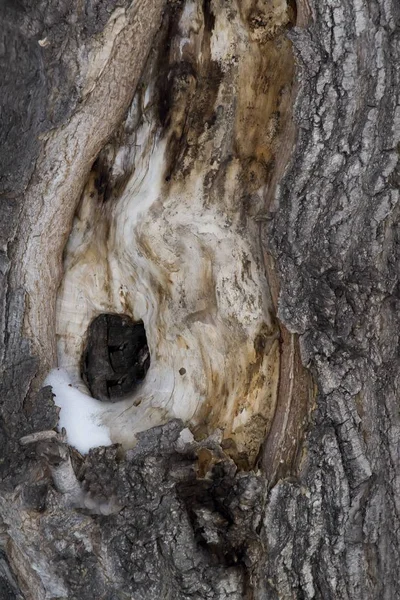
{"points": [[177, 516]]}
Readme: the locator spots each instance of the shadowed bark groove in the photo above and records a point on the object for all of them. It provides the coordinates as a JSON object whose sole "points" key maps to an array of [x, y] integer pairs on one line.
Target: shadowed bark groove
{"points": [[287, 119]]}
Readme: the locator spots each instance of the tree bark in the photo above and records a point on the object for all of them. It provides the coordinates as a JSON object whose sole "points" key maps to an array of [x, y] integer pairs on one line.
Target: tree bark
{"points": [[260, 457]]}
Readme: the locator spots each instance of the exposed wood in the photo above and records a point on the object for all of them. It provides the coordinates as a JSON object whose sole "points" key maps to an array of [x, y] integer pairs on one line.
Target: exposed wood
{"points": [[153, 154]]}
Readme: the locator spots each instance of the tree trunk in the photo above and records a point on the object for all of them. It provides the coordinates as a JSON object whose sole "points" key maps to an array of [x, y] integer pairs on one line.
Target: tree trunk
{"points": [[199, 208]]}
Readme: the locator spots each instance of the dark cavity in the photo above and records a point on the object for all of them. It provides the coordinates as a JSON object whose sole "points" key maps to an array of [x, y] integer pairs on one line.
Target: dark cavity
{"points": [[116, 357]]}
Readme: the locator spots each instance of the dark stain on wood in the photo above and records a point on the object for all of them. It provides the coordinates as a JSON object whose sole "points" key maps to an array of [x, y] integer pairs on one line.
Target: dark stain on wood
{"points": [[186, 90]]}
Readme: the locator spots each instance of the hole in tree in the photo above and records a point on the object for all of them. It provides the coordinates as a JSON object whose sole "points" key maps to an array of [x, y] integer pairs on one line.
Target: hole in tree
{"points": [[116, 357]]}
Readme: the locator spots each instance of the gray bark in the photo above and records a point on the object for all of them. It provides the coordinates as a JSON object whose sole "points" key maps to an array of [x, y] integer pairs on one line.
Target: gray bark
{"points": [[317, 515], [334, 235]]}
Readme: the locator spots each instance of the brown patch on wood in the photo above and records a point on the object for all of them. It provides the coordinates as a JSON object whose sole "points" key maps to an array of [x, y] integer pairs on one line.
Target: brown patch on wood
{"points": [[215, 413], [303, 13], [251, 434], [241, 459], [265, 82], [205, 461], [282, 449], [265, 20]]}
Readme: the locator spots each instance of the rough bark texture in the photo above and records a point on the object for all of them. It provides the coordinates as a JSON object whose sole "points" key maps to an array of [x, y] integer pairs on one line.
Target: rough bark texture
{"points": [[175, 517], [335, 239]]}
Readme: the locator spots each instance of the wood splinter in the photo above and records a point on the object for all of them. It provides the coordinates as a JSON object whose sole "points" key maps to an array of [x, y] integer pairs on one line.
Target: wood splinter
{"points": [[52, 446]]}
